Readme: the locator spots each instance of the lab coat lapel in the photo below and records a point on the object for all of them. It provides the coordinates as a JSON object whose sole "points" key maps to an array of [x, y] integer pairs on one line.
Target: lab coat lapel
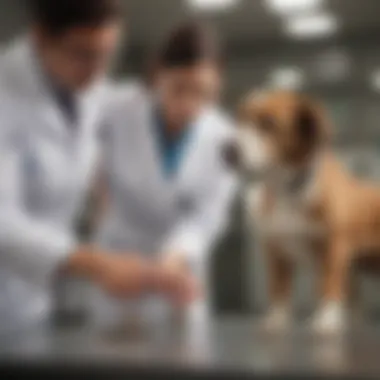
{"points": [[154, 158], [133, 153], [191, 149], [47, 116], [155, 173], [158, 190], [176, 193], [91, 104], [44, 105], [85, 133], [50, 114]]}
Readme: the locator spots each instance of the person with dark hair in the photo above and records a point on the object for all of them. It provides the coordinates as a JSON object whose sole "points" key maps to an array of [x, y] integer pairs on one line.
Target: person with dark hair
{"points": [[167, 190], [52, 91]]}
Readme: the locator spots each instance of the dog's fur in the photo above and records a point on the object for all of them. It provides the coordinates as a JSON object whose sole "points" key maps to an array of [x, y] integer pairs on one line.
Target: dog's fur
{"points": [[304, 202]]}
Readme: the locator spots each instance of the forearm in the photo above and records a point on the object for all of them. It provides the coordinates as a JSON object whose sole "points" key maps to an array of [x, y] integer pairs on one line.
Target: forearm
{"points": [[121, 274]]}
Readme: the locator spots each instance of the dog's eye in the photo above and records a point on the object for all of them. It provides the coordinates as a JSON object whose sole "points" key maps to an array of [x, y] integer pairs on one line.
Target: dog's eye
{"points": [[266, 123]]}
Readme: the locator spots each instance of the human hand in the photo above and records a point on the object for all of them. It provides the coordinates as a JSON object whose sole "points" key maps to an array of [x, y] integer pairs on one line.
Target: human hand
{"points": [[120, 275], [128, 275], [124, 276], [175, 280]]}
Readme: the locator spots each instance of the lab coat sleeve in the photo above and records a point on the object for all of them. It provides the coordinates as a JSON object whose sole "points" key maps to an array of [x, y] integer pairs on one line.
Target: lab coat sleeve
{"points": [[28, 247], [197, 230]]}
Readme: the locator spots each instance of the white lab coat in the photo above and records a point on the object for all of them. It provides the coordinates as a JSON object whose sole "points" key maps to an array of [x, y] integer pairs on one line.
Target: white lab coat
{"points": [[46, 166], [148, 213]]}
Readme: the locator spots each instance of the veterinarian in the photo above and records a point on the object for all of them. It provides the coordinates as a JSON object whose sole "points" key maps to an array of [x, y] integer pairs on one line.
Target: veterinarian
{"points": [[52, 88], [166, 190]]}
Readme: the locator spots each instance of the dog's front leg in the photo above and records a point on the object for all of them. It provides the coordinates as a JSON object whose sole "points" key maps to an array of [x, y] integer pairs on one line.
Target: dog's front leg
{"points": [[331, 316], [280, 284]]}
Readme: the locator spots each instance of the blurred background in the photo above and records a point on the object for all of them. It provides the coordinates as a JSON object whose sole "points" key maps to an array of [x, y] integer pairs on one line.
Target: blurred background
{"points": [[328, 48]]}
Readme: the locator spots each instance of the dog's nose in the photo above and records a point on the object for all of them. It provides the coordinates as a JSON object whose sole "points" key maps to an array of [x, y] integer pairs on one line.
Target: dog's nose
{"points": [[231, 154]]}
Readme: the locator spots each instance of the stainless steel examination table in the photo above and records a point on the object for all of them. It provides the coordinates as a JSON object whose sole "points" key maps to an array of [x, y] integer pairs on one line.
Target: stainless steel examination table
{"points": [[212, 349]]}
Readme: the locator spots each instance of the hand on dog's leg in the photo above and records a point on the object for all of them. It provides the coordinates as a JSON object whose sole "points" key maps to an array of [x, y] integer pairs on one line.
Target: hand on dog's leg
{"points": [[331, 317], [279, 316]]}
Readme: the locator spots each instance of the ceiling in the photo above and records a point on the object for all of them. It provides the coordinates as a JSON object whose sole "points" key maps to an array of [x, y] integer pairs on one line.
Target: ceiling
{"points": [[250, 21], [255, 40], [257, 44]]}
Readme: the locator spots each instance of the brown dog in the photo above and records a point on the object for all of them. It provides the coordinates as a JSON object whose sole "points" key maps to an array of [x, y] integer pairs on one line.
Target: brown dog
{"points": [[303, 202]]}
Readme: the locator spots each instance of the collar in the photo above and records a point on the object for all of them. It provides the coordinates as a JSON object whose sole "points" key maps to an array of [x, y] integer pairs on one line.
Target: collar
{"points": [[288, 181], [161, 127]]}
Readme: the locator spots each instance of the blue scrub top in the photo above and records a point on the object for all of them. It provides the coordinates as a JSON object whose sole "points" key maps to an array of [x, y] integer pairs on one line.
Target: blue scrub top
{"points": [[171, 150]]}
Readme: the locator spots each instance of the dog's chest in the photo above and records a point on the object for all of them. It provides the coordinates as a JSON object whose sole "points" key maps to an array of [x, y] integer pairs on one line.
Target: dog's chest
{"points": [[288, 220]]}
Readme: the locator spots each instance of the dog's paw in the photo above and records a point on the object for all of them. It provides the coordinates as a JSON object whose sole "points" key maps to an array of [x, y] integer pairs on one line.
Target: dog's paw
{"points": [[330, 319], [278, 319]]}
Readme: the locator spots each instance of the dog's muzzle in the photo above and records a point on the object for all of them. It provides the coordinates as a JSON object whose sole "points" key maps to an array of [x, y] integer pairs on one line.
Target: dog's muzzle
{"points": [[233, 158]]}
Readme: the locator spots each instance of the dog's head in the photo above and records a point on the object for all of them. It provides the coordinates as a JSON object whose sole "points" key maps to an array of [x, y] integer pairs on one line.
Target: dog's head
{"points": [[279, 129]]}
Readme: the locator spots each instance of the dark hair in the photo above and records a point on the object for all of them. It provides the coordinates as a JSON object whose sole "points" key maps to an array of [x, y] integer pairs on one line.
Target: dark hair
{"points": [[57, 16], [187, 45]]}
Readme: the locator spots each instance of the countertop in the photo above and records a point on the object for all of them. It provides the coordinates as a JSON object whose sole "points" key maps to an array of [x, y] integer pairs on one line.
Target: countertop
{"points": [[203, 348]]}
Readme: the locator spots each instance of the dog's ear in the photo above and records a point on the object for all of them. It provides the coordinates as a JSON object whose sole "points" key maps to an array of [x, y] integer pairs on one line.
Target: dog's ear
{"points": [[311, 123]]}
